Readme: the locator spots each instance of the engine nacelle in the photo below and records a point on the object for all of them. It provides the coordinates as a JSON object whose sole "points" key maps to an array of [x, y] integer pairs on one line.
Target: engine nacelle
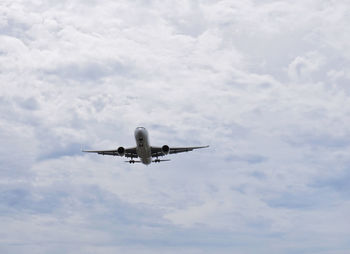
{"points": [[121, 151], [165, 149]]}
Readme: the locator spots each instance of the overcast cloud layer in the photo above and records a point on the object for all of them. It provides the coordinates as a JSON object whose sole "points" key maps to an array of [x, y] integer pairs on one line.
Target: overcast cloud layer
{"points": [[264, 83]]}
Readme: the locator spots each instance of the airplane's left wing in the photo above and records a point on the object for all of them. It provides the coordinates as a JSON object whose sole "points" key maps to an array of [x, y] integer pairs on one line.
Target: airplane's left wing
{"points": [[128, 152], [158, 151]]}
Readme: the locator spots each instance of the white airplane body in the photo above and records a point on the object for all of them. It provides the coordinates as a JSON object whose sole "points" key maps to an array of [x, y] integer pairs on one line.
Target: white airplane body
{"points": [[144, 150]]}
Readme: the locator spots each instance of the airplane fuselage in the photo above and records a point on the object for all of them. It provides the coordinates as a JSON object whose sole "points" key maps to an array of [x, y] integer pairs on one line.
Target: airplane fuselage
{"points": [[143, 147]]}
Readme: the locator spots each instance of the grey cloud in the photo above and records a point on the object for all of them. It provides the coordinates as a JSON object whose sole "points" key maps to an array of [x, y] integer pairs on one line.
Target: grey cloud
{"points": [[56, 151], [90, 71], [326, 140], [61, 199], [14, 27], [23, 200], [336, 182], [17, 152], [249, 158], [187, 18], [298, 200], [28, 103], [262, 82], [259, 175]]}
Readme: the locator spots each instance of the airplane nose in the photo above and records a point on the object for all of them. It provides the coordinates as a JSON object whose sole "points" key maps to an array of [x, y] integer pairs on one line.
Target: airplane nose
{"points": [[138, 132]]}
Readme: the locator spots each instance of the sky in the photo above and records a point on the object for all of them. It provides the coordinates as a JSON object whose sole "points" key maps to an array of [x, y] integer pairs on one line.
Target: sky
{"points": [[264, 83]]}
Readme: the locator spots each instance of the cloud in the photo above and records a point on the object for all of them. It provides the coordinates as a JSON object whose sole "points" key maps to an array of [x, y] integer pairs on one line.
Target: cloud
{"points": [[264, 83], [250, 158], [303, 67]]}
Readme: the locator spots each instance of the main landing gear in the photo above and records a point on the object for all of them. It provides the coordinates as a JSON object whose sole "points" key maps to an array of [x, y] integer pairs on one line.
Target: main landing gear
{"points": [[132, 161]]}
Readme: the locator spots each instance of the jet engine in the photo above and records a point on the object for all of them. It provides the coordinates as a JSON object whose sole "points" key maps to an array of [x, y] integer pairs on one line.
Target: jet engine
{"points": [[165, 149], [121, 151]]}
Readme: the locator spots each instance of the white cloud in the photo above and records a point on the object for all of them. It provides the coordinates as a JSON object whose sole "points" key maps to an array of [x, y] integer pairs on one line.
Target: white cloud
{"points": [[304, 67], [263, 82]]}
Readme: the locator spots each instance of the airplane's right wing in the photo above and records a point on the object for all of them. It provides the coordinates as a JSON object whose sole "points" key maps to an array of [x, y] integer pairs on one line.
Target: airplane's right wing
{"points": [[158, 151], [184, 149]]}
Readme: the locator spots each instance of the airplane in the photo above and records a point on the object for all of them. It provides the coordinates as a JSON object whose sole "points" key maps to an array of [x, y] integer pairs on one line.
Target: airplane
{"points": [[144, 150]]}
